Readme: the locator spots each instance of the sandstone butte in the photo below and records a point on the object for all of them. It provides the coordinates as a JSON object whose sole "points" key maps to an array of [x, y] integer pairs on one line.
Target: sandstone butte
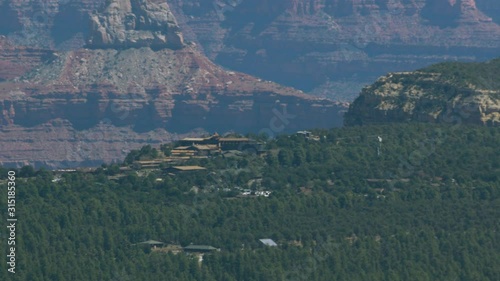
{"points": [[132, 81]]}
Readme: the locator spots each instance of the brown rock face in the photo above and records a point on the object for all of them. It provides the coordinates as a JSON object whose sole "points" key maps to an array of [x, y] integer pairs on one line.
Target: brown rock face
{"points": [[327, 47], [56, 144], [152, 86], [16, 61], [127, 98], [134, 85]]}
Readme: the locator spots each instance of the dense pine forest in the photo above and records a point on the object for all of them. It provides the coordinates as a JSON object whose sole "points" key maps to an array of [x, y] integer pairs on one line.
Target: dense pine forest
{"points": [[399, 202]]}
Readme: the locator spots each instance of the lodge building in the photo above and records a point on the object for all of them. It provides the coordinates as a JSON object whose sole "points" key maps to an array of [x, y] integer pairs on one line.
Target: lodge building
{"points": [[215, 142]]}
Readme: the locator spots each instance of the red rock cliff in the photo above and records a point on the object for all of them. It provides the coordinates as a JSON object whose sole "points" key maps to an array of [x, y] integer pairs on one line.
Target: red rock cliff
{"points": [[141, 91], [333, 47], [91, 105]]}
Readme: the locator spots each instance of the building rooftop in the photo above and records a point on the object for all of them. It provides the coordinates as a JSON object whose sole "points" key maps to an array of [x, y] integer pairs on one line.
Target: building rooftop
{"points": [[200, 248], [303, 132], [188, 168], [152, 242], [206, 146], [235, 139], [268, 242], [193, 139], [182, 147], [158, 161]]}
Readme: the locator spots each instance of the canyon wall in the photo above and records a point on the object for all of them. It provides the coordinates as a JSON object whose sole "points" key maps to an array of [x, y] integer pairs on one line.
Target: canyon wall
{"points": [[326, 47], [92, 105], [333, 47], [86, 81]]}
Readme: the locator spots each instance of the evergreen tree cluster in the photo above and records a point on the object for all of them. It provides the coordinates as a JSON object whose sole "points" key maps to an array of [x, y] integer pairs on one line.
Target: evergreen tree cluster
{"points": [[400, 202]]}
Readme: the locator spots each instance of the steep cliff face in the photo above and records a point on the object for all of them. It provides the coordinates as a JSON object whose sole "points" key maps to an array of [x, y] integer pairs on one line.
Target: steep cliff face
{"points": [[92, 105], [443, 93], [323, 45], [47, 24], [136, 23], [179, 90], [57, 144], [326, 47], [141, 91]]}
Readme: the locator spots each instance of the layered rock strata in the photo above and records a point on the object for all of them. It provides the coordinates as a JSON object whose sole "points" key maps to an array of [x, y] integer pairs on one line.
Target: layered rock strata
{"points": [[130, 88], [446, 93], [333, 47]]}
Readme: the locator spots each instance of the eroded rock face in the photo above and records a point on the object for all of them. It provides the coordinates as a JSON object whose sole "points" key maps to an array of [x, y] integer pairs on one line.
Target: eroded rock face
{"points": [[176, 89], [17, 60], [56, 144], [334, 47], [134, 85], [325, 47], [134, 23], [431, 96], [137, 96]]}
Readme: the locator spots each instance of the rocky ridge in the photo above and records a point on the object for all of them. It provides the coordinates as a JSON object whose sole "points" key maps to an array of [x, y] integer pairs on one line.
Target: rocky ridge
{"points": [[175, 89], [455, 93], [141, 97]]}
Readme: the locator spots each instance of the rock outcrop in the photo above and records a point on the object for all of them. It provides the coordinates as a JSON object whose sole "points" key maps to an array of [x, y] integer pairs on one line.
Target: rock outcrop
{"points": [[137, 76], [445, 93], [175, 89], [57, 144], [134, 23]]}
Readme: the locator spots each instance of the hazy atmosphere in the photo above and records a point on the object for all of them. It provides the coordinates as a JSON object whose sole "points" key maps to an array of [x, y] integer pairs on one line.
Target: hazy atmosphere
{"points": [[250, 140]]}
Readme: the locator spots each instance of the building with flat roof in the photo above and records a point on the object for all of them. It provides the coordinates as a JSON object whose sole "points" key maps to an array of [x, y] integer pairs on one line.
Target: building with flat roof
{"points": [[179, 169], [149, 164], [213, 139], [268, 242], [200, 249], [221, 143], [151, 243]]}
